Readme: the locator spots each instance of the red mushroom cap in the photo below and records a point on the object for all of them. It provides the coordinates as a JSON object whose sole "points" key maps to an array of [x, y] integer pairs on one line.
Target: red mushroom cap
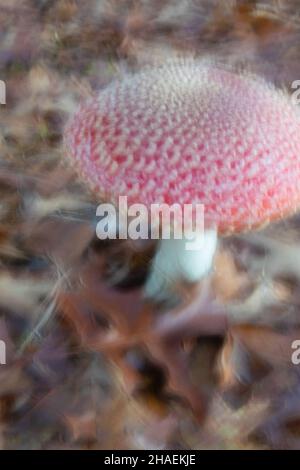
{"points": [[192, 133]]}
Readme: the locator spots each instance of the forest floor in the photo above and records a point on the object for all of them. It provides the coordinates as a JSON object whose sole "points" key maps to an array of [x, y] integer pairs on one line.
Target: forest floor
{"points": [[90, 365]]}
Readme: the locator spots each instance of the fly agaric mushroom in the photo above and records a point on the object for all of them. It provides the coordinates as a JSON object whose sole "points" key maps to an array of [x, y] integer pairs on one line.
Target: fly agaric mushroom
{"points": [[190, 132]]}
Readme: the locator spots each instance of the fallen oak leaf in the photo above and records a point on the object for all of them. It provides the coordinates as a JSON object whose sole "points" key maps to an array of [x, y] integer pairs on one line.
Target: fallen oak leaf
{"points": [[202, 316]]}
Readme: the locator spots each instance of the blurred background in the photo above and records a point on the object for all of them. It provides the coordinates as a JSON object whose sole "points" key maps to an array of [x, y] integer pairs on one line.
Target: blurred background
{"points": [[90, 364]]}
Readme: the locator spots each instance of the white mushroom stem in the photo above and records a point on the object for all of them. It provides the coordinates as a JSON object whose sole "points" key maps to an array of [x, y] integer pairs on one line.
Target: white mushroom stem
{"points": [[174, 262]]}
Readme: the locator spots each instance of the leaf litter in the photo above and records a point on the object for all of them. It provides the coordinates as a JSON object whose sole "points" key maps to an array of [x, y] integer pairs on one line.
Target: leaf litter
{"points": [[90, 363]]}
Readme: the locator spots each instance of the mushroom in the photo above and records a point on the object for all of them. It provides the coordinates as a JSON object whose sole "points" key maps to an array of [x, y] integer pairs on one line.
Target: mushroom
{"points": [[191, 132]]}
